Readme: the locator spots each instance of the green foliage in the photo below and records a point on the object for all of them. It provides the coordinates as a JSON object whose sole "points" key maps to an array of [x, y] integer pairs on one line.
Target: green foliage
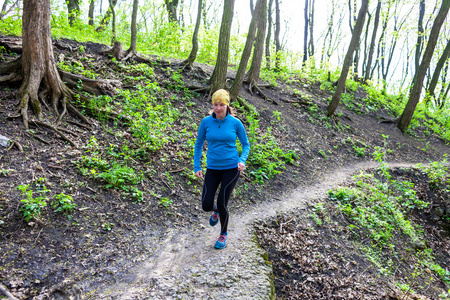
{"points": [[165, 202], [63, 203], [266, 157], [438, 174], [32, 206]]}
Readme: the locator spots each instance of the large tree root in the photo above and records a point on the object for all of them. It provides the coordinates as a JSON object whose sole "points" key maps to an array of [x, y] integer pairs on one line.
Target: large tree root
{"points": [[96, 87], [55, 129], [254, 85]]}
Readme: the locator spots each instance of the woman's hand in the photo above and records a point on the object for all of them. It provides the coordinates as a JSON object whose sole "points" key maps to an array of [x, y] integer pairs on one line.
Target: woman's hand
{"points": [[199, 174], [241, 166]]}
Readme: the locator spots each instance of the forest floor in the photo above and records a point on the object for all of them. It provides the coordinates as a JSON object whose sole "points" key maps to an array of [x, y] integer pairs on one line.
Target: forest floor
{"points": [[161, 247]]}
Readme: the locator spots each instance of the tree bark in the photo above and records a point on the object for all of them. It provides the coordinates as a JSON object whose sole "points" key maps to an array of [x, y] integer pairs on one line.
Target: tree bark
{"points": [[414, 96], [219, 76], [305, 33], [269, 34], [38, 65], [311, 49], [133, 42], [420, 32], [193, 55], [172, 6], [348, 58], [73, 8], [106, 18], [255, 68], [368, 67], [277, 35], [437, 71], [91, 12], [113, 12], [239, 78]]}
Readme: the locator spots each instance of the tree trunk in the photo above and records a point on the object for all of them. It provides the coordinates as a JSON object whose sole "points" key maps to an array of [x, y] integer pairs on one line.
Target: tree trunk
{"points": [[171, 6], [193, 55], [414, 96], [420, 33], [269, 34], [105, 21], [113, 12], [277, 35], [133, 46], [38, 65], [239, 78], [219, 75], [255, 68], [437, 71], [348, 58], [91, 12], [311, 29], [74, 10], [4, 12], [305, 33], [368, 74]]}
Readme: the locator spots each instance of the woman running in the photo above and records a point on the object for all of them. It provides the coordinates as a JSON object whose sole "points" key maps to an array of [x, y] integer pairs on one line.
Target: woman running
{"points": [[224, 164]]}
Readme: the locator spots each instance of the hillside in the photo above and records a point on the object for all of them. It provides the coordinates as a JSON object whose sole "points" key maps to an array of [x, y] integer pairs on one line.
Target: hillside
{"points": [[127, 193]]}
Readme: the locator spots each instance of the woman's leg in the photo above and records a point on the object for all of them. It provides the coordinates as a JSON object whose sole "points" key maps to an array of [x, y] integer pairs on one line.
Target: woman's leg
{"points": [[210, 185], [229, 179]]}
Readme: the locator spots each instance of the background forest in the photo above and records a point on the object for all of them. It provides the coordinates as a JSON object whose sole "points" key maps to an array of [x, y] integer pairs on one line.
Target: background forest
{"points": [[96, 180]]}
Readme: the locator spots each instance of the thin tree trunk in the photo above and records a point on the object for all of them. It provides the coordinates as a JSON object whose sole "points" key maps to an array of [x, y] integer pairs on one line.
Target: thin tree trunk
{"points": [[368, 74], [408, 112], [193, 55], [269, 34], [73, 8], [420, 33], [219, 76], [305, 33], [239, 78], [437, 71], [171, 6], [113, 11], [106, 18], [311, 29], [91, 12], [348, 58], [255, 68], [277, 36], [133, 42]]}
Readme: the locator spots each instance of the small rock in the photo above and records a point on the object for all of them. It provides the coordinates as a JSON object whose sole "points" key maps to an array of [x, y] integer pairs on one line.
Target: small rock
{"points": [[439, 211], [4, 141]]}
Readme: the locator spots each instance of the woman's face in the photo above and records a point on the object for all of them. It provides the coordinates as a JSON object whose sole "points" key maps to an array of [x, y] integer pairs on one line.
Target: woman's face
{"points": [[220, 109]]}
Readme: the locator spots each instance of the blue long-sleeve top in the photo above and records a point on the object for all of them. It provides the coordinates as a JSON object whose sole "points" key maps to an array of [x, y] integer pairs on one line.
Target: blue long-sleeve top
{"points": [[221, 136]]}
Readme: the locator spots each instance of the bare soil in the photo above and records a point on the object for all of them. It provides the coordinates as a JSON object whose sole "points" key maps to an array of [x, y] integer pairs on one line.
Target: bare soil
{"points": [[111, 241]]}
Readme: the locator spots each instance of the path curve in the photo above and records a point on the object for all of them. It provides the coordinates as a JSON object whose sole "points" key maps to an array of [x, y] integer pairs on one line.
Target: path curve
{"points": [[186, 266]]}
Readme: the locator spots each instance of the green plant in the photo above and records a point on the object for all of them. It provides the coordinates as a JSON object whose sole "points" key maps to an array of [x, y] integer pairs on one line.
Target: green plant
{"points": [[165, 202], [32, 207], [63, 203]]}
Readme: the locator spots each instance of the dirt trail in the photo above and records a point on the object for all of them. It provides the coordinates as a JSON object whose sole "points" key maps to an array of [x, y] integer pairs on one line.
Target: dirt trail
{"points": [[186, 266]]}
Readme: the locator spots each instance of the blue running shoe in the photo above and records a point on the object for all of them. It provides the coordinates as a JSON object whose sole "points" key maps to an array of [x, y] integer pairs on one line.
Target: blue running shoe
{"points": [[214, 219], [221, 241]]}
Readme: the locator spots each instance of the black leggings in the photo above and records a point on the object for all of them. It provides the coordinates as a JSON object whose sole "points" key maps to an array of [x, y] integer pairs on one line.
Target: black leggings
{"points": [[227, 180]]}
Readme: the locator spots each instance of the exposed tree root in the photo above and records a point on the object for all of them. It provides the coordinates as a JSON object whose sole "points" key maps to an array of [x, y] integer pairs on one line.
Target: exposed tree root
{"points": [[301, 102], [254, 85], [38, 138], [6, 293], [388, 120], [79, 124], [96, 87], [16, 144], [55, 129]]}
